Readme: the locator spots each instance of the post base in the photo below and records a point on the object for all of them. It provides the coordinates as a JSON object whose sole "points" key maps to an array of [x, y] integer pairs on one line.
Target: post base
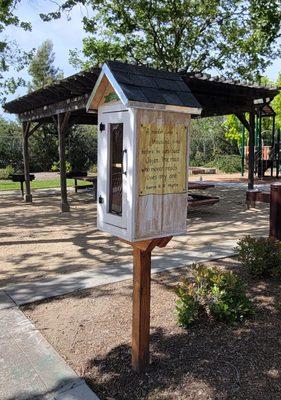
{"points": [[28, 198], [65, 207]]}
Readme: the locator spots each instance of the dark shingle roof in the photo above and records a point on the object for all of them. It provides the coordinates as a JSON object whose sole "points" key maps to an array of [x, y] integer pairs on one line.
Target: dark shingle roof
{"points": [[149, 85]]}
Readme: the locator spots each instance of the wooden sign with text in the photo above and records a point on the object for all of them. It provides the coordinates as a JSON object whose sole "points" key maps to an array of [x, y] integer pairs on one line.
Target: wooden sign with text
{"points": [[162, 161]]}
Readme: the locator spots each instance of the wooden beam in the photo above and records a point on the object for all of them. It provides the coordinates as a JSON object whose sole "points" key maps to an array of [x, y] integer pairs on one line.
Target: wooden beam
{"points": [[28, 195], [243, 120], [62, 121], [34, 129], [68, 105]]}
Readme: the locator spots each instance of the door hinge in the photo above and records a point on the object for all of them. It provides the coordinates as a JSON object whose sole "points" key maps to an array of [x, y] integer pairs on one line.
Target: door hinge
{"points": [[102, 127], [100, 200]]}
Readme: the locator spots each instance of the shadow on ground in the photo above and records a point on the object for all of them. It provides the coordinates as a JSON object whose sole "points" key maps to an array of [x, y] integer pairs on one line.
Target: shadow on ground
{"points": [[208, 361], [38, 242]]}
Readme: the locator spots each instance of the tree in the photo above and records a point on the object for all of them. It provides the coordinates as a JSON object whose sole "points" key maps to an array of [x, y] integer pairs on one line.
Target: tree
{"points": [[12, 58], [10, 144], [234, 37], [42, 69], [82, 147], [208, 140]]}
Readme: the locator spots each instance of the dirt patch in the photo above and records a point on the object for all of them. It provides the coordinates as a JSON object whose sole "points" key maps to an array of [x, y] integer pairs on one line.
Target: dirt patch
{"points": [[38, 242], [210, 361]]}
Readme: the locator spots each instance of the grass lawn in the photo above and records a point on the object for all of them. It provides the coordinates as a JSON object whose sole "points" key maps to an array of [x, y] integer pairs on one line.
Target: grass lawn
{"points": [[50, 183]]}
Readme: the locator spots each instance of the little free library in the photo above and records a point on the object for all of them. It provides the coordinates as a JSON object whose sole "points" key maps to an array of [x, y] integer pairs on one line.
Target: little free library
{"points": [[143, 118]]}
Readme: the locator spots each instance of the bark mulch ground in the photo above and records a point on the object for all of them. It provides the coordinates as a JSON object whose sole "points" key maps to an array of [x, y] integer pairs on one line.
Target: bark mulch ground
{"points": [[214, 361]]}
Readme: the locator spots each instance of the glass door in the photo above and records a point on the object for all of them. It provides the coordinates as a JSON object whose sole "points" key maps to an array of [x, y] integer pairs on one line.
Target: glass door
{"points": [[116, 169], [113, 168]]}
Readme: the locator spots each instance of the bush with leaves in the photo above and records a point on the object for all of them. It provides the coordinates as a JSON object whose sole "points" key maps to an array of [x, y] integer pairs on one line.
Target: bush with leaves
{"points": [[219, 295], [228, 163], [260, 256], [6, 172], [56, 166]]}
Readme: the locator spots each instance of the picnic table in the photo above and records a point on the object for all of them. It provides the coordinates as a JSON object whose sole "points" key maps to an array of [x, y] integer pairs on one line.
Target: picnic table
{"points": [[197, 200], [199, 185], [83, 176], [21, 179]]}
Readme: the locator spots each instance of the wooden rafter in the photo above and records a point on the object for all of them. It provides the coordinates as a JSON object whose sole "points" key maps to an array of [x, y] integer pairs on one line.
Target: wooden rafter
{"points": [[243, 120]]}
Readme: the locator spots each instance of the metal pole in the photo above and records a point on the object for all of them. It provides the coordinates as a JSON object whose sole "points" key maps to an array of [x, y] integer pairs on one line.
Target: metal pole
{"points": [[243, 151], [278, 161], [273, 149], [251, 151], [260, 152]]}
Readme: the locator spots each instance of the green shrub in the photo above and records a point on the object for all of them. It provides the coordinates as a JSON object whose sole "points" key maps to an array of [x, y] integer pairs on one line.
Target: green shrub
{"points": [[228, 163], [260, 256], [56, 166], [5, 172], [93, 169], [219, 295]]}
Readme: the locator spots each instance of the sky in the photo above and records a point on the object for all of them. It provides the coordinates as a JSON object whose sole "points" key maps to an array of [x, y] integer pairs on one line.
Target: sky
{"points": [[65, 35]]}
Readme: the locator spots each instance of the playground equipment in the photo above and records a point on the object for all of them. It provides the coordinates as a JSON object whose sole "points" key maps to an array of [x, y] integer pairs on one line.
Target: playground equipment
{"points": [[267, 155]]}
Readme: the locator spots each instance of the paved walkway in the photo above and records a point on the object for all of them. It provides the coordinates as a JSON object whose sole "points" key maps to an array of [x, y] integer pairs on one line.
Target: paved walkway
{"points": [[30, 369], [55, 285]]}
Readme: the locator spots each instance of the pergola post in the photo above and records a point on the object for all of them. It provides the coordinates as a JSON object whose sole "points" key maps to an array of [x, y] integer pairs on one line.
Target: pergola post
{"points": [[251, 167], [62, 122], [250, 126], [28, 195]]}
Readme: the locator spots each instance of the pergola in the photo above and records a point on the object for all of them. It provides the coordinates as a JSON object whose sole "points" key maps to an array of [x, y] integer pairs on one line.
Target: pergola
{"points": [[63, 103]]}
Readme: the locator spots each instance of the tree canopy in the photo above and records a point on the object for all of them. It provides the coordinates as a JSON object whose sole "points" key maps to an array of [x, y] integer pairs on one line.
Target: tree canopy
{"points": [[41, 68], [11, 56], [233, 37]]}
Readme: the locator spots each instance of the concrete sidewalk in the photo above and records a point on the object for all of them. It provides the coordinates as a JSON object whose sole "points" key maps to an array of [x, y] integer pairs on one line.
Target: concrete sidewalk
{"points": [[30, 369], [60, 284]]}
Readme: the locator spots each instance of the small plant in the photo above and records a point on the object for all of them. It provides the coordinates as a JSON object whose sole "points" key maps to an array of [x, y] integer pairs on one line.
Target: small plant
{"points": [[93, 169], [56, 166], [260, 256], [219, 295], [6, 172]]}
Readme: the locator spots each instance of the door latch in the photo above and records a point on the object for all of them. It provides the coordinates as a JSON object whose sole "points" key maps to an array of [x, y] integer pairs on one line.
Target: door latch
{"points": [[102, 127], [101, 200]]}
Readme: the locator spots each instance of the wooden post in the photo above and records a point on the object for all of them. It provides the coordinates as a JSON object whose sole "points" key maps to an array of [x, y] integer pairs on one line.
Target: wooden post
{"points": [[141, 309], [141, 300], [251, 166], [62, 124], [28, 195], [275, 211]]}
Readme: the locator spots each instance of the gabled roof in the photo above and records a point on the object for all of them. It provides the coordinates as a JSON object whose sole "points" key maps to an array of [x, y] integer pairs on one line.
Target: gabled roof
{"points": [[138, 84]]}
